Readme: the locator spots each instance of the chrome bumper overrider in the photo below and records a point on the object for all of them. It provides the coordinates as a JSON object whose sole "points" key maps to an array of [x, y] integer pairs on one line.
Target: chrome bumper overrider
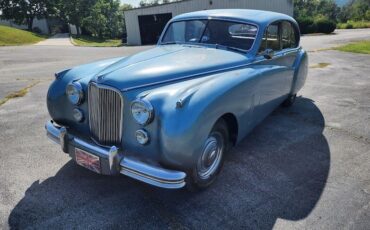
{"points": [[113, 161]]}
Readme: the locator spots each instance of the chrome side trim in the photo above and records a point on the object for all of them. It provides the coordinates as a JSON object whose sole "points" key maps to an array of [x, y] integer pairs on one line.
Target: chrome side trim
{"points": [[136, 169]]}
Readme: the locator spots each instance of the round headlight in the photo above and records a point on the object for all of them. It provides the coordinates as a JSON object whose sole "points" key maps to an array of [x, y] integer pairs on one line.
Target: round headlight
{"points": [[75, 93], [142, 111]]}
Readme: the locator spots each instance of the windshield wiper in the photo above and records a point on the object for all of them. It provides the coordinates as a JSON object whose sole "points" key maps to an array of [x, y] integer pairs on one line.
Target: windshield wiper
{"points": [[236, 49], [169, 43]]}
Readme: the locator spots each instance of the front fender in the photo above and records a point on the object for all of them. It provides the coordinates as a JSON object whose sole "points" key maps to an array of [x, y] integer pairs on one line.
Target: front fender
{"points": [[59, 107], [187, 111]]}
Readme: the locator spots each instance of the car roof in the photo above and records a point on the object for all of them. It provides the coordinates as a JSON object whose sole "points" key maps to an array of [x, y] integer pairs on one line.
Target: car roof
{"points": [[259, 17]]}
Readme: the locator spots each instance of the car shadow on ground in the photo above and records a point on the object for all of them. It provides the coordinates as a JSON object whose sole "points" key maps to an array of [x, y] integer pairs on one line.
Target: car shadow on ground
{"points": [[278, 171]]}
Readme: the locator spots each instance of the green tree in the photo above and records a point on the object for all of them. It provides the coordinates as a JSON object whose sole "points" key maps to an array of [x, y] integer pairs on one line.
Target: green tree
{"points": [[359, 9], [328, 8], [316, 8], [304, 8], [25, 11], [105, 19], [356, 10], [74, 12]]}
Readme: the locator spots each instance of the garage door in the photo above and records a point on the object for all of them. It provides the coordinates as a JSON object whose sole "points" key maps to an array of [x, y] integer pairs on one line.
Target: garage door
{"points": [[151, 27]]}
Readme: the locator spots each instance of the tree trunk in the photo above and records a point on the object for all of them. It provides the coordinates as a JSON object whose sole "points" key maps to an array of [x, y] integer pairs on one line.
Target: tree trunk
{"points": [[78, 30], [30, 23]]}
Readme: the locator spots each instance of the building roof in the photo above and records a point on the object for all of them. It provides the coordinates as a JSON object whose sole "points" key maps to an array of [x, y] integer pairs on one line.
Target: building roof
{"points": [[156, 5], [256, 16]]}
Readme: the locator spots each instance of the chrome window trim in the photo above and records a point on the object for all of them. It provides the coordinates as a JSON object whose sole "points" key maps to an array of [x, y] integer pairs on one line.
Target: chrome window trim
{"points": [[296, 31]]}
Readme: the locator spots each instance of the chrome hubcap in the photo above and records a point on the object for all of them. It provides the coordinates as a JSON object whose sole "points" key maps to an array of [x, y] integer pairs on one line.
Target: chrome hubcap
{"points": [[211, 156]]}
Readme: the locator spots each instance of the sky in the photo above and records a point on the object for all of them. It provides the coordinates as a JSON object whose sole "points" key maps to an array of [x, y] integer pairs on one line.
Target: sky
{"points": [[341, 2], [131, 2]]}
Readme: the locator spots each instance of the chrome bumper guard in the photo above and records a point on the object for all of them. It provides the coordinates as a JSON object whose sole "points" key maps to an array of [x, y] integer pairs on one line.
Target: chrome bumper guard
{"points": [[114, 162]]}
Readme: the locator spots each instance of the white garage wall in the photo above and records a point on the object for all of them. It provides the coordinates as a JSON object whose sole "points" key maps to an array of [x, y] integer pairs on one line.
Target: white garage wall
{"points": [[132, 22]]}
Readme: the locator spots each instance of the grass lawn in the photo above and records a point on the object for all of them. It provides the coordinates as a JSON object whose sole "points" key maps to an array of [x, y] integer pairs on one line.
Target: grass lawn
{"points": [[10, 36], [362, 47], [97, 42], [354, 25]]}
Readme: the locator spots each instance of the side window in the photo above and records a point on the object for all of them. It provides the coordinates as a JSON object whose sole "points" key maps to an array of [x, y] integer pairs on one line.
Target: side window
{"points": [[288, 36], [271, 39]]}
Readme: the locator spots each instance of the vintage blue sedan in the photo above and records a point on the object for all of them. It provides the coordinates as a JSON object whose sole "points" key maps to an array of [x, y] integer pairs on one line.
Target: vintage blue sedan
{"points": [[167, 116]]}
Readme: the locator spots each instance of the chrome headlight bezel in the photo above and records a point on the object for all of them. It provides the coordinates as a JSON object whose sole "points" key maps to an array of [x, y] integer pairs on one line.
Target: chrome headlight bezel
{"points": [[142, 136], [148, 109], [77, 98], [78, 115]]}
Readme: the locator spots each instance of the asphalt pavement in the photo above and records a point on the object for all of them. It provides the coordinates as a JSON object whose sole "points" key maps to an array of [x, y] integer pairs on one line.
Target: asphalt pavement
{"points": [[306, 167]]}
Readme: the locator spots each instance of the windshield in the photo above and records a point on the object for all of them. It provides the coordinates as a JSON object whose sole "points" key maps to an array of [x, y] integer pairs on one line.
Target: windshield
{"points": [[215, 32]]}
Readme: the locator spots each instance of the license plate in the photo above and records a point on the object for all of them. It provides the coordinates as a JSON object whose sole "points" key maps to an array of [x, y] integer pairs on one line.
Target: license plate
{"points": [[87, 160]]}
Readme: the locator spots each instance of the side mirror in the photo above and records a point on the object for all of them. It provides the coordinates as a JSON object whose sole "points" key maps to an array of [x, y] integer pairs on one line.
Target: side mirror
{"points": [[269, 53]]}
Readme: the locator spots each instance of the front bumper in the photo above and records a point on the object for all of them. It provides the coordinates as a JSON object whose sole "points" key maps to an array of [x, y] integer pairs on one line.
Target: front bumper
{"points": [[114, 161]]}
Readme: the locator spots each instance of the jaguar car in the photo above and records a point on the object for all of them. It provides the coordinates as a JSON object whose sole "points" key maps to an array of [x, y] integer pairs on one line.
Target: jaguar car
{"points": [[168, 115]]}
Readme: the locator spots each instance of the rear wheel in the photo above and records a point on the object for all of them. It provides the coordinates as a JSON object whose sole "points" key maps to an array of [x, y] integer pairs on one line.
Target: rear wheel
{"points": [[289, 101], [211, 159]]}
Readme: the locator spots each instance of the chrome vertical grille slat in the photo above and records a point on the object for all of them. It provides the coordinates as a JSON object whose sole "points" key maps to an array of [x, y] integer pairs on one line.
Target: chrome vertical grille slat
{"points": [[105, 114]]}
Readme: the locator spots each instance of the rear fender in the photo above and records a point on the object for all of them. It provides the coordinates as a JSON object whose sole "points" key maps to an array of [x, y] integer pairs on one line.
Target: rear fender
{"points": [[300, 73]]}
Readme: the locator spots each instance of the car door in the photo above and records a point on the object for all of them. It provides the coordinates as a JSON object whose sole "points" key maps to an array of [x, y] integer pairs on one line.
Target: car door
{"points": [[289, 51], [271, 80], [277, 71]]}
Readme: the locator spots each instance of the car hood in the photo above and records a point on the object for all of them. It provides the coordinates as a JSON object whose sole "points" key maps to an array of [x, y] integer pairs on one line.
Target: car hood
{"points": [[165, 64]]}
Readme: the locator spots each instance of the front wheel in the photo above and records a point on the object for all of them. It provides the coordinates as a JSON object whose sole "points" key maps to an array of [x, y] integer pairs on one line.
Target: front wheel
{"points": [[211, 159]]}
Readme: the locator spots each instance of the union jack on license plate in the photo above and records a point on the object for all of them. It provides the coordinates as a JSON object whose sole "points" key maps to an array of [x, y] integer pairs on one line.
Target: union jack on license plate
{"points": [[87, 160]]}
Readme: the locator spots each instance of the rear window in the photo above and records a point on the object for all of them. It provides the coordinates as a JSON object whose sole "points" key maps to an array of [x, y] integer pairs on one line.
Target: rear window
{"points": [[288, 36]]}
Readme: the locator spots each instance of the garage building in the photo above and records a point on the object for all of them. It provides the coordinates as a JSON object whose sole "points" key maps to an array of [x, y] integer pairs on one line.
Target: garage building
{"points": [[144, 25]]}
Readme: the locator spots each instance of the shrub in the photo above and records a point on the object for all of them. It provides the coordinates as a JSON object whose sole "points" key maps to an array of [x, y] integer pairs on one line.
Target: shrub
{"points": [[354, 25], [312, 28], [325, 26], [348, 26], [37, 30], [306, 25], [359, 24]]}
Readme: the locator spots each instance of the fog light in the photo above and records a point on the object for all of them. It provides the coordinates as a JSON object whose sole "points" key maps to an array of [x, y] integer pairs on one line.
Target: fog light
{"points": [[142, 136], [78, 115]]}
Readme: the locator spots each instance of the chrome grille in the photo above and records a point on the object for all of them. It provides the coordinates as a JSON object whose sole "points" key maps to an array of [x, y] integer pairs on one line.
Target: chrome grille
{"points": [[105, 114]]}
